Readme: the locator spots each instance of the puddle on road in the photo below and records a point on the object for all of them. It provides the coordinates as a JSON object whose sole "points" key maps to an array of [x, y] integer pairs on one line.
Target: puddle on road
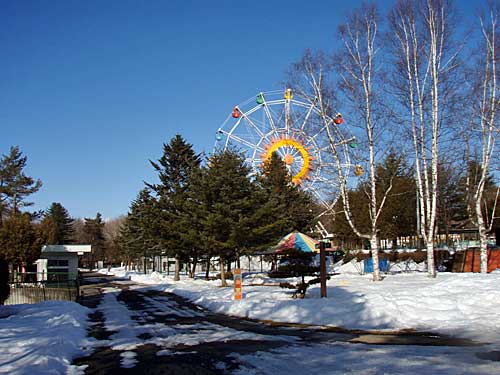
{"points": [[494, 355]]}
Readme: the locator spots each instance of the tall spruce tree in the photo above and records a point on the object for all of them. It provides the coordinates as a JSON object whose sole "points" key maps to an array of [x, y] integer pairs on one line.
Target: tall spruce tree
{"points": [[225, 192], [15, 185], [56, 227], [175, 169], [139, 235], [293, 207]]}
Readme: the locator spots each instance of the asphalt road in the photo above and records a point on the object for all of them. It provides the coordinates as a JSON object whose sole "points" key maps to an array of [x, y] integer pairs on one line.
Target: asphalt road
{"points": [[190, 340]]}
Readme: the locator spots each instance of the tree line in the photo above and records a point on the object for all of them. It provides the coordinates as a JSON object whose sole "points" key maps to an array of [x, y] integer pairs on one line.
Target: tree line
{"points": [[423, 78], [24, 232], [212, 208]]}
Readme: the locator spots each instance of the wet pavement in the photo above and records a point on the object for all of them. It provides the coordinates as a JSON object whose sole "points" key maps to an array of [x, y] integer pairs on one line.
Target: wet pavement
{"points": [[175, 336]]}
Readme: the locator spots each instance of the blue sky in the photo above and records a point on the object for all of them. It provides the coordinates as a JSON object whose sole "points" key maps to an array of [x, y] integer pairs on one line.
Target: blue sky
{"points": [[91, 89]]}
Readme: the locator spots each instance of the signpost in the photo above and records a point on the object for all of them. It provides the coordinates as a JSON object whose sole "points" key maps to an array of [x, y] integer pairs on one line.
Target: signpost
{"points": [[238, 292]]}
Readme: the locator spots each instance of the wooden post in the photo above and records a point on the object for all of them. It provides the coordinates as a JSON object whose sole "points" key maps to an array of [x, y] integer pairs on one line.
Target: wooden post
{"points": [[322, 268]]}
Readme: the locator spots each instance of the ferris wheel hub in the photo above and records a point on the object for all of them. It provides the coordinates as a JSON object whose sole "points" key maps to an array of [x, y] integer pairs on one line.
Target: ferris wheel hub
{"points": [[291, 146], [288, 159]]}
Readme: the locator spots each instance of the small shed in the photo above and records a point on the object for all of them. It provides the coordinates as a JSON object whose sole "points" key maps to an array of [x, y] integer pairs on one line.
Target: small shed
{"points": [[60, 262]]}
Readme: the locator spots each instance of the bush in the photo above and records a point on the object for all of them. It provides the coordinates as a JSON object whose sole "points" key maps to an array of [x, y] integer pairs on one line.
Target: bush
{"points": [[299, 264], [4, 281]]}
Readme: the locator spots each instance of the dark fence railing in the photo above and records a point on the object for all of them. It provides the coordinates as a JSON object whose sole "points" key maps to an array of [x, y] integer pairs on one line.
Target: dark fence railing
{"points": [[57, 287]]}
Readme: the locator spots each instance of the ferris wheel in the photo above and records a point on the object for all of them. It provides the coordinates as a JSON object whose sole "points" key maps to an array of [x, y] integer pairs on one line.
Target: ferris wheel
{"points": [[295, 128]]}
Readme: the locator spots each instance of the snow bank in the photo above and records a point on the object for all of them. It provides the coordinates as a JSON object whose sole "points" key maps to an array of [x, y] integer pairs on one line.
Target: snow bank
{"points": [[464, 305], [42, 338]]}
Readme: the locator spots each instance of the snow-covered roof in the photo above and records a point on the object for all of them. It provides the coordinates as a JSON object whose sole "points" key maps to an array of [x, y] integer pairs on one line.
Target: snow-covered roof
{"points": [[66, 249]]}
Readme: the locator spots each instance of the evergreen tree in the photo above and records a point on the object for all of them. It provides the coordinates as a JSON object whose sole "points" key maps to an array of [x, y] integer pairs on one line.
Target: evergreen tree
{"points": [[18, 240], [398, 217], [139, 234], [15, 185], [225, 195], [175, 170], [451, 203], [294, 208], [57, 226]]}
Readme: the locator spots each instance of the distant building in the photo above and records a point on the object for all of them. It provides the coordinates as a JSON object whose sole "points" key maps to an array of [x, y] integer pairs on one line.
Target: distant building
{"points": [[60, 262]]}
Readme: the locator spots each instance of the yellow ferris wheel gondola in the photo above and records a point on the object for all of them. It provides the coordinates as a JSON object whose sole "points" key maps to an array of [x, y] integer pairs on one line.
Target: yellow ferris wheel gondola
{"points": [[358, 170]]}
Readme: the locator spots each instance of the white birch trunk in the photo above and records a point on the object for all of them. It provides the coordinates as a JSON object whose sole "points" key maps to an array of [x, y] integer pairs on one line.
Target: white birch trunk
{"points": [[488, 107], [374, 250], [483, 238]]}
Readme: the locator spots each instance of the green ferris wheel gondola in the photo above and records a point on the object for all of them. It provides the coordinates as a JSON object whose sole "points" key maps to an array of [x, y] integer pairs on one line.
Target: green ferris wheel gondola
{"points": [[260, 98]]}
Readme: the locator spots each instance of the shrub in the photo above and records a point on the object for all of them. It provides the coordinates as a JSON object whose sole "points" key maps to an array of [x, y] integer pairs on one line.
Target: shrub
{"points": [[299, 264]]}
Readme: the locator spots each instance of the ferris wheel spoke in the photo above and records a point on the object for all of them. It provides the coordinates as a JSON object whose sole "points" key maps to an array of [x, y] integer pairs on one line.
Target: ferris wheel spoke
{"points": [[270, 119], [306, 118], [315, 136], [245, 142], [252, 124]]}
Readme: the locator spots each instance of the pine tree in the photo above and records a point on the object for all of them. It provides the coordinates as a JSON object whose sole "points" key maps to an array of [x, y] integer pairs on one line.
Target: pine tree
{"points": [[15, 186], [57, 226], [398, 217], [139, 235], [294, 207], [225, 194], [175, 169]]}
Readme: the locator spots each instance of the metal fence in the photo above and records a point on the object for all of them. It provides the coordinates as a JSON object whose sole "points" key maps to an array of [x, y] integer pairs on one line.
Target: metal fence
{"points": [[25, 289]]}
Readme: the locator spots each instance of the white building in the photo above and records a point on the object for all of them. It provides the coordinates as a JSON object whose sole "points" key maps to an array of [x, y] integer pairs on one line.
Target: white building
{"points": [[60, 262]]}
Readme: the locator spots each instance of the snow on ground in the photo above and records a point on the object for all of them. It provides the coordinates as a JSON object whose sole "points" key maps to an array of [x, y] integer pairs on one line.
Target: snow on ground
{"points": [[129, 325], [42, 338], [460, 304], [342, 358]]}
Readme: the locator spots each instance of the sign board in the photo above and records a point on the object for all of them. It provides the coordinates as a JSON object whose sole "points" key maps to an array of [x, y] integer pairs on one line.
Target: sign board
{"points": [[238, 292], [328, 245]]}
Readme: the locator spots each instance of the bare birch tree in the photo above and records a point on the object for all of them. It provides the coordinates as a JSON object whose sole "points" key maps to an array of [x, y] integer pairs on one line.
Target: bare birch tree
{"points": [[421, 32], [356, 65], [484, 125]]}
